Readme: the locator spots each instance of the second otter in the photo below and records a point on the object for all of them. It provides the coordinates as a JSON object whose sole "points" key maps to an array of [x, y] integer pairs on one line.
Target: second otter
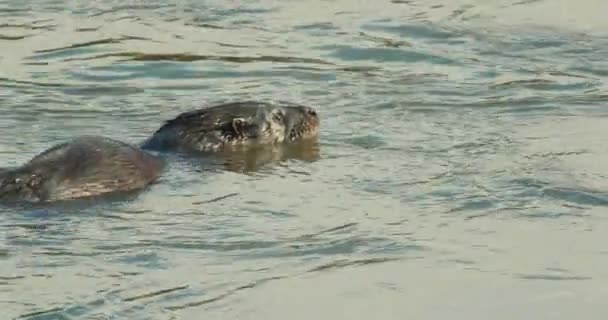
{"points": [[87, 166], [234, 125]]}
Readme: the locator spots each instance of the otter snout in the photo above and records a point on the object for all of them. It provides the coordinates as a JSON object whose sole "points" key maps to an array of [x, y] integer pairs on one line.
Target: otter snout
{"points": [[312, 116]]}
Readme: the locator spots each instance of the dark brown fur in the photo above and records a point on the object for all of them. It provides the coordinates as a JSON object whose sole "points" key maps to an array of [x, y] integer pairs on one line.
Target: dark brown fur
{"points": [[84, 167], [235, 124]]}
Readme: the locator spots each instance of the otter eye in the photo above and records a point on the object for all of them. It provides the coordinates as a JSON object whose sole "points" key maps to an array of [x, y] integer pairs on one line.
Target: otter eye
{"points": [[277, 117]]}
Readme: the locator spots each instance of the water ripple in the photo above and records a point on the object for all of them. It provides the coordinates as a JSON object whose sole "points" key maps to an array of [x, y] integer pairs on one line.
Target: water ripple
{"points": [[459, 143]]}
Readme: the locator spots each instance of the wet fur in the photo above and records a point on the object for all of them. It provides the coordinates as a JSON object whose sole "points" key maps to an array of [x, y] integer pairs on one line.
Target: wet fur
{"points": [[212, 129], [91, 166], [201, 129], [84, 167]]}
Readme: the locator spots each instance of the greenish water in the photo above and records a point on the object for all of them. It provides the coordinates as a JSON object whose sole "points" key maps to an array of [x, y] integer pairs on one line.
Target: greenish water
{"points": [[459, 174]]}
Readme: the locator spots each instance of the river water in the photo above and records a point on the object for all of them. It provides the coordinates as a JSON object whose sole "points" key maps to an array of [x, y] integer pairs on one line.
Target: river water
{"points": [[459, 173]]}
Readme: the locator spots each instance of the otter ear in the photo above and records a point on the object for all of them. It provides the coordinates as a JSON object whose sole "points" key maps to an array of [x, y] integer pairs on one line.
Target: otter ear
{"points": [[238, 124]]}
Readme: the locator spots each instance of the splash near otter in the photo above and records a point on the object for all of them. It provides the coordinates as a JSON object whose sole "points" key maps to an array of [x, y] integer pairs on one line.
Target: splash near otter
{"points": [[87, 166], [236, 125]]}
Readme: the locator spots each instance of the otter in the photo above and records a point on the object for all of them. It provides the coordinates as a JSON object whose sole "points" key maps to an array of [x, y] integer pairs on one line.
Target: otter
{"points": [[84, 167], [90, 166], [235, 125]]}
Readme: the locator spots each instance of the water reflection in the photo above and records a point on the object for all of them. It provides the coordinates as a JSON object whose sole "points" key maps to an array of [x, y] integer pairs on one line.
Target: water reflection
{"points": [[258, 159], [464, 140]]}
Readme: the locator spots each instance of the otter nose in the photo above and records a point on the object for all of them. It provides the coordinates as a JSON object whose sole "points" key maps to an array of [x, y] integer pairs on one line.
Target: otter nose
{"points": [[311, 112]]}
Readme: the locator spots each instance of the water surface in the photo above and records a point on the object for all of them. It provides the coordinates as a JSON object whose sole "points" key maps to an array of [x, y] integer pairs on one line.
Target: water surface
{"points": [[460, 171]]}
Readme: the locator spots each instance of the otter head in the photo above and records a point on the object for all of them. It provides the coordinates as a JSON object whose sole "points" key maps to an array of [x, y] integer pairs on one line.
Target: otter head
{"points": [[301, 122], [277, 124], [20, 186], [265, 126]]}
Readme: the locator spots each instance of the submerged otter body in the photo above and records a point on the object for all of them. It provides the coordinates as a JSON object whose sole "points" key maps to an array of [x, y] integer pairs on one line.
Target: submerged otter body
{"points": [[235, 125], [84, 167]]}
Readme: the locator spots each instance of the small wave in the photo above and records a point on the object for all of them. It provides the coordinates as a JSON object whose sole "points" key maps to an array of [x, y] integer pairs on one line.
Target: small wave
{"points": [[579, 196], [418, 30], [8, 82], [14, 38], [155, 293], [542, 84], [27, 26], [184, 57], [343, 263], [227, 294], [348, 53], [93, 43], [552, 277]]}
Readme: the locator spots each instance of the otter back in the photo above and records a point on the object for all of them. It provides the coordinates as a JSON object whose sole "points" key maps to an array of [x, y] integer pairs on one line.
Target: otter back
{"points": [[84, 167], [205, 129]]}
